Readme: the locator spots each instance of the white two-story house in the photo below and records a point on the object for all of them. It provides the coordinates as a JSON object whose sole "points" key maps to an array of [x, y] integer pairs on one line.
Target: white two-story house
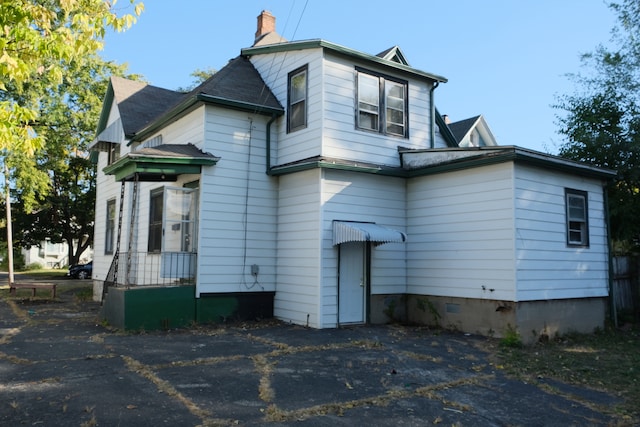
{"points": [[317, 184]]}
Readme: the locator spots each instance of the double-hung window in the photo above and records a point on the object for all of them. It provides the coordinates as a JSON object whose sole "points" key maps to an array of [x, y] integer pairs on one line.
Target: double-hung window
{"points": [[381, 104], [577, 214], [110, 226], [297, 100]]}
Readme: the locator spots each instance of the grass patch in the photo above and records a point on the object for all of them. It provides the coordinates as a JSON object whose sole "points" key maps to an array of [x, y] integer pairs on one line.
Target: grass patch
{"points": [[607, 360], [42, 274]]}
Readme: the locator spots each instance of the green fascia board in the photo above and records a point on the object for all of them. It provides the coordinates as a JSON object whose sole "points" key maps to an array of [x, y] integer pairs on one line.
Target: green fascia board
{"points": [[106, 108], [191, 102], [386, 171], [341, 50], [516, 155], [127, 166], [445, 131]]}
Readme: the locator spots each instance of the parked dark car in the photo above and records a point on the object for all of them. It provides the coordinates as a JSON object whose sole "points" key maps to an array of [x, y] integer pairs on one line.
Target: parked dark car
{"points": [[81, 271]]}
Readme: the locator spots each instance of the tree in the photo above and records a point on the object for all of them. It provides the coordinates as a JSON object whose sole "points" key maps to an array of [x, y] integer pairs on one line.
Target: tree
{"points": [[48, 104], [199, 76], [601, 121], [38, 38], [64, 210]]}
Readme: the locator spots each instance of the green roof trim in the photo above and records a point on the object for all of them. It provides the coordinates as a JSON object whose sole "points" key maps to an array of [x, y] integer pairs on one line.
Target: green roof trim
{"points": [[494, 155], [484, 157], [328, 164], [106, 108], [341, 50], [149, 166], [445, 131], [192, 101]]}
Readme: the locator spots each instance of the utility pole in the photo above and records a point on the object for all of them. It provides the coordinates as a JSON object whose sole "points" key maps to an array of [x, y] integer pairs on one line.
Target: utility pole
{"points": [[9, 229]]}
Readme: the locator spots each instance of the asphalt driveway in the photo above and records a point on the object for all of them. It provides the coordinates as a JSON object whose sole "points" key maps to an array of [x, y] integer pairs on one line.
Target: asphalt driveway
{"points": [[60, 367]]}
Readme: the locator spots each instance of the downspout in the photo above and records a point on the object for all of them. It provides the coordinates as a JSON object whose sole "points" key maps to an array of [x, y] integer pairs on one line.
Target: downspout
{"points": [[433, 114], [268, 153], [612, 292]]}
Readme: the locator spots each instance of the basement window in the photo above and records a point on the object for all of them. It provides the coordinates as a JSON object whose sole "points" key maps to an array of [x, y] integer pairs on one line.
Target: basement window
{"points": [[577, 217]]}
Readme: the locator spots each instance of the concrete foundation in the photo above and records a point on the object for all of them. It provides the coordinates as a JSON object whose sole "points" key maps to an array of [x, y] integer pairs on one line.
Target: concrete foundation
{"points": [[387, 309], [532, 320]]}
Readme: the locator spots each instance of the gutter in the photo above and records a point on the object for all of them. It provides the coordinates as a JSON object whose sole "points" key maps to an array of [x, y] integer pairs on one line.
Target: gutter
{"points": [[189, 102], [268, 171], [433, 113]]}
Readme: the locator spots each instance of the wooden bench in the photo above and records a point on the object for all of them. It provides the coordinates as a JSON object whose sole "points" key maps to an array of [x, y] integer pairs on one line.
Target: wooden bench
{"points": [[33, 287]]}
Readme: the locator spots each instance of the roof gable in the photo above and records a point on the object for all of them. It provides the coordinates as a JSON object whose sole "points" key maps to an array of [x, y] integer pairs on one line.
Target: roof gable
{"points": [[238, 81], [394, 54], [461, 128], [140, 103]]}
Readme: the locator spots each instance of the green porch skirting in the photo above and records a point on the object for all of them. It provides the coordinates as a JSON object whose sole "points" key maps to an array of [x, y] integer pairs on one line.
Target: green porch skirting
{"points": [[232, 307], [153, 308]]}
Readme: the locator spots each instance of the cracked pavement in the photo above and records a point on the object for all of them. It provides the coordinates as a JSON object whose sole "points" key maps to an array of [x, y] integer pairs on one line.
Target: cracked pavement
{"points": [[59, 366]]}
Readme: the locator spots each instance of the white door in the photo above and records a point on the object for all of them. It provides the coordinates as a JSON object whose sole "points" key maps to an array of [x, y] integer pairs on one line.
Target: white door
{"points": [[352, 283]]}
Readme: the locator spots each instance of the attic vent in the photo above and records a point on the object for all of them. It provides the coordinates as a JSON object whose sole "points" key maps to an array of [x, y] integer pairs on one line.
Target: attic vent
{"points": [[153, 142]]}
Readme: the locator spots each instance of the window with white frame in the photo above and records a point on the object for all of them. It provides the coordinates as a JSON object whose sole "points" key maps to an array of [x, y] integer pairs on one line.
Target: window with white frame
{"points": [[577, 216], [297, 100], [110, 227], [381, 104], [172, 219]]}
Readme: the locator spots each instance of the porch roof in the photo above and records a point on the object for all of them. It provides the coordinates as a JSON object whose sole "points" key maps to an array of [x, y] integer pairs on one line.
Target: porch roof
{"points": [[348, 231], [162, 163]]}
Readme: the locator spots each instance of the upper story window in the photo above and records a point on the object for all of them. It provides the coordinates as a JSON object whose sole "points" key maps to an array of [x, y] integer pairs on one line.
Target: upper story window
{"points": [[113, 153], [297, 100], [577, 213], [382, 104]]}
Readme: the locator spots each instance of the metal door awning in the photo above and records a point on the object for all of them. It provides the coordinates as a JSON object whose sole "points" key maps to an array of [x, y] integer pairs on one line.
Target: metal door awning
{"points": [[347, 231]]}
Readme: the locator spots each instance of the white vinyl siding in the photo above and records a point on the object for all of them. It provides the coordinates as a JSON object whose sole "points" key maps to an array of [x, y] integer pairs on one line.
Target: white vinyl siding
{"points": [[547, 268], [461, 234], [349, 196], [298, 294], [306, 142], [331, 101], [237, 206], [341, 136]]}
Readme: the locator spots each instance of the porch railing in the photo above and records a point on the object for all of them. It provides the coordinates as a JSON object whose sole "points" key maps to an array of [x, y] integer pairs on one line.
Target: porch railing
{"points": [[152, 269]]}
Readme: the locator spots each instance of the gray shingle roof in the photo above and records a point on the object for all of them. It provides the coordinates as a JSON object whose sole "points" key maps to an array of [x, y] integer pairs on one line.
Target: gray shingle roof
{"points": [[140, 103], [239, 81], [186, 151], [462, 127]]}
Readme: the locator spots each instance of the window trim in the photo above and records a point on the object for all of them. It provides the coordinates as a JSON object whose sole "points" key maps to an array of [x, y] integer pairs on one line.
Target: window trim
{"points": [[157, 223], [109, 241], [305, 100], [584, 241], [383, 125]]}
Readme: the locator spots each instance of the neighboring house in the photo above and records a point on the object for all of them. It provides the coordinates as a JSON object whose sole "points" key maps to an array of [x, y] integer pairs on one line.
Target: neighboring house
{"points": [[52, 255], [315, 183], [472, 132]]}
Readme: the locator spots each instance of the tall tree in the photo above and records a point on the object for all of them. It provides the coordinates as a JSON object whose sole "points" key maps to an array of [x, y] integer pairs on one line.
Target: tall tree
{"points": [[50, 70], [601, 120], [37, 41]]}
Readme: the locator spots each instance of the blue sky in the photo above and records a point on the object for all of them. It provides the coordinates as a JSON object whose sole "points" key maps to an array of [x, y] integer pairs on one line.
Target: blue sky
{"points": [[505, 59]]}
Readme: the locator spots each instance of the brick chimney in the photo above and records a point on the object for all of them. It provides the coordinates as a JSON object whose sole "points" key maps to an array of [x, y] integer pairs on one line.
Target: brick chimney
{"points": [[266, 24]]}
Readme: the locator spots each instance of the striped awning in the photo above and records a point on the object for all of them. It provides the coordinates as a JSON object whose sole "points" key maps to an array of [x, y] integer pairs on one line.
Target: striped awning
{"points": [[347, 231]]}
